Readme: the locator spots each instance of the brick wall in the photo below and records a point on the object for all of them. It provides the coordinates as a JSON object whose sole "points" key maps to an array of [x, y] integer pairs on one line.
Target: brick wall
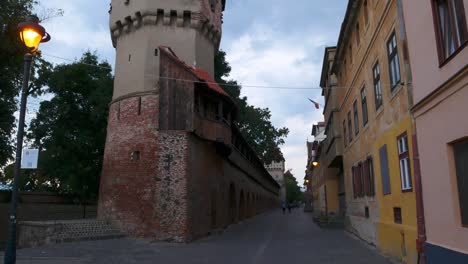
{"points": [[128, 182]]}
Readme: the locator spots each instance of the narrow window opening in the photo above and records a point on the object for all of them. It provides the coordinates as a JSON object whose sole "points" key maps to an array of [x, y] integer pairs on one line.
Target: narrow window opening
{"points": [[366, 13], [397, 215], [118, 112], [135, 156], [366, 212], [129, 57], [156, 52], [139, 106], [187, 18], [358, 35]]}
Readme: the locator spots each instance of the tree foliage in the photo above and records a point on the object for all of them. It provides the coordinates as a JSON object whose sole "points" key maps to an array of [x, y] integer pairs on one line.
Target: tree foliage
{"points": [[293, 191], [254, 123], [70, 129]]}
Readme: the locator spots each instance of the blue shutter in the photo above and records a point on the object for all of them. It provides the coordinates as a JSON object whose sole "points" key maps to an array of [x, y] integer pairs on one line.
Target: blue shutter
{"points": [[386, 188]]}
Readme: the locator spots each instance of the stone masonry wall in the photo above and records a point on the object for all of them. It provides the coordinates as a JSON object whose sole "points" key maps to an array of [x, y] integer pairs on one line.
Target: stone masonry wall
{"points": [[172, 153]]}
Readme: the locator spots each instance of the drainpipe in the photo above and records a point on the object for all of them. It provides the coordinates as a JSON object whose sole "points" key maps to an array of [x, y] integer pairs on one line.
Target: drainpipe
{"points": [[421, 241], [421, 226], [326, 201]]}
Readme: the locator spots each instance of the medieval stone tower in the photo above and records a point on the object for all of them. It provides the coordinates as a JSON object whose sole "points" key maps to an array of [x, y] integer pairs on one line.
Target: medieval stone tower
{"points": [[175, 165]]}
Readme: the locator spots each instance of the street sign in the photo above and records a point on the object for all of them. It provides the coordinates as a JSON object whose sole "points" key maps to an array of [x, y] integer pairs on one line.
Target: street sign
{"points": [[29, 159]]}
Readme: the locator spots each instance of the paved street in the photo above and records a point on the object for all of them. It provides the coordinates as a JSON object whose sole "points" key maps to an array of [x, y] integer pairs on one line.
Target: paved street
{"points": [[270, 238]]}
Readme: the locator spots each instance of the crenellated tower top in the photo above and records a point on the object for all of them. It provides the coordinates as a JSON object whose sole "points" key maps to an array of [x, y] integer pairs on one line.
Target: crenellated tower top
{"points": [[192, 28]]}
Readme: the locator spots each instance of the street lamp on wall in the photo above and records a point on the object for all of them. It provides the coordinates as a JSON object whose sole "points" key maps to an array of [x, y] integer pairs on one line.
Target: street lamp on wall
{"points": [[315, 163], [32, 35]]}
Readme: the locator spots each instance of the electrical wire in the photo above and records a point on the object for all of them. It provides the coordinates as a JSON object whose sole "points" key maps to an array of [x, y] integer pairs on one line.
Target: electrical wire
{"points": [[224, 84]]}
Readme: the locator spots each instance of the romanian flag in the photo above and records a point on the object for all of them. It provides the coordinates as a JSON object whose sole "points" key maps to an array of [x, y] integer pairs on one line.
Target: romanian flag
{"points": [[317, 106]]}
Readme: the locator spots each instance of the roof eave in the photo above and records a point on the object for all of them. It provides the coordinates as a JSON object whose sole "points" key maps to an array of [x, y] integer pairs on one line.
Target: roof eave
{"points": [[350, 14]]}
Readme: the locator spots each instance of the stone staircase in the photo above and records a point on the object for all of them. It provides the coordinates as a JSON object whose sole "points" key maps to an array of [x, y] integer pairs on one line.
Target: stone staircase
{"points": [[33, 234], [331, 221], [92, 229]]}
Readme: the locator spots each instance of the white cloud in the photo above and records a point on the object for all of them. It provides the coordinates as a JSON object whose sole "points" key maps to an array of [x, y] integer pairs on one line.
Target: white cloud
{"points": [[77, 31], [265, 58]]}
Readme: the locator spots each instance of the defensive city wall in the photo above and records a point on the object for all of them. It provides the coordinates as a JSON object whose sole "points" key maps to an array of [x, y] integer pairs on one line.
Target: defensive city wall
{"points": [[176, 167]]}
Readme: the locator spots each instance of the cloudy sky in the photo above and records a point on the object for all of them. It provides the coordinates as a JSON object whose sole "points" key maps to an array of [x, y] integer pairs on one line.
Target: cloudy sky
{"points": [[268, 43]]}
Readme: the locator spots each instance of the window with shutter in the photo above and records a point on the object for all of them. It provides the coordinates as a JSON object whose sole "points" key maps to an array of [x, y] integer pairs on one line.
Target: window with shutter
{"points": [[384, 171], [371, 176], [461, 168], [353, 170], [365, 177], [344, 132], [361, 182], [356, 118]]}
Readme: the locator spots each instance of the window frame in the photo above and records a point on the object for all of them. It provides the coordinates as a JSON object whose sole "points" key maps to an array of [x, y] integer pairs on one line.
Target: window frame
{"points": [[404, 155], [358, 35], [350, 128], [443, 59], [366, 12], [344, 133], [459, 178], [376, 76], [370, 167], [356, 118], [397, 215], [364, 109], [393, 59]]}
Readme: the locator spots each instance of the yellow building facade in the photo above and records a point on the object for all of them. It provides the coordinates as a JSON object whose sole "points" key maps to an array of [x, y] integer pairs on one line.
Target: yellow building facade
{"points": [[373, 100]]}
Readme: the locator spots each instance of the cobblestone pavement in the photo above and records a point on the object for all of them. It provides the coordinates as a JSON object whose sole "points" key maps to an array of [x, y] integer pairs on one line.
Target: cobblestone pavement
{"points": [[267, 239]]}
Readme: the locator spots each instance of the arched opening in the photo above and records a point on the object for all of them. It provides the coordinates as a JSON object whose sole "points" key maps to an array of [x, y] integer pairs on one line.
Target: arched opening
{"points": [[213, 210], [232, 204], [248, 206], [242, 206]]}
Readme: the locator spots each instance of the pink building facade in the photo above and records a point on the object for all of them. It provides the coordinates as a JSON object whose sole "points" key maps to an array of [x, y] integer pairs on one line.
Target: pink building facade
{"points": [[437, 41]]}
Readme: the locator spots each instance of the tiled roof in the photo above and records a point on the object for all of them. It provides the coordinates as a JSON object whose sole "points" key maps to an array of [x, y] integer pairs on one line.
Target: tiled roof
{"points": [[201, 74]]}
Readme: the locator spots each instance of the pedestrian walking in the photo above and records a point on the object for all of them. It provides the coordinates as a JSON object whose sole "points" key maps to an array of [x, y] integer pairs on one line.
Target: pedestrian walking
{"points": [[289, 207], [283, 205]]}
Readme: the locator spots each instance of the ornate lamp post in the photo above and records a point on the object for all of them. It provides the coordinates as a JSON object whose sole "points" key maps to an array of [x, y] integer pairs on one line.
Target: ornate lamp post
{"points": [[32, 35]]}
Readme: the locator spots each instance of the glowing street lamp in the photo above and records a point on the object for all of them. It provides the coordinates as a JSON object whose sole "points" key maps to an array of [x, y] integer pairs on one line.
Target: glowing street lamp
{"points": [[32, 35], [315, 163]]}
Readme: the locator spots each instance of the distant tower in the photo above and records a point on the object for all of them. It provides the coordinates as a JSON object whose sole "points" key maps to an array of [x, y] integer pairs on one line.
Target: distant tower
{"points": [[144, 182], [192, 28]]}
